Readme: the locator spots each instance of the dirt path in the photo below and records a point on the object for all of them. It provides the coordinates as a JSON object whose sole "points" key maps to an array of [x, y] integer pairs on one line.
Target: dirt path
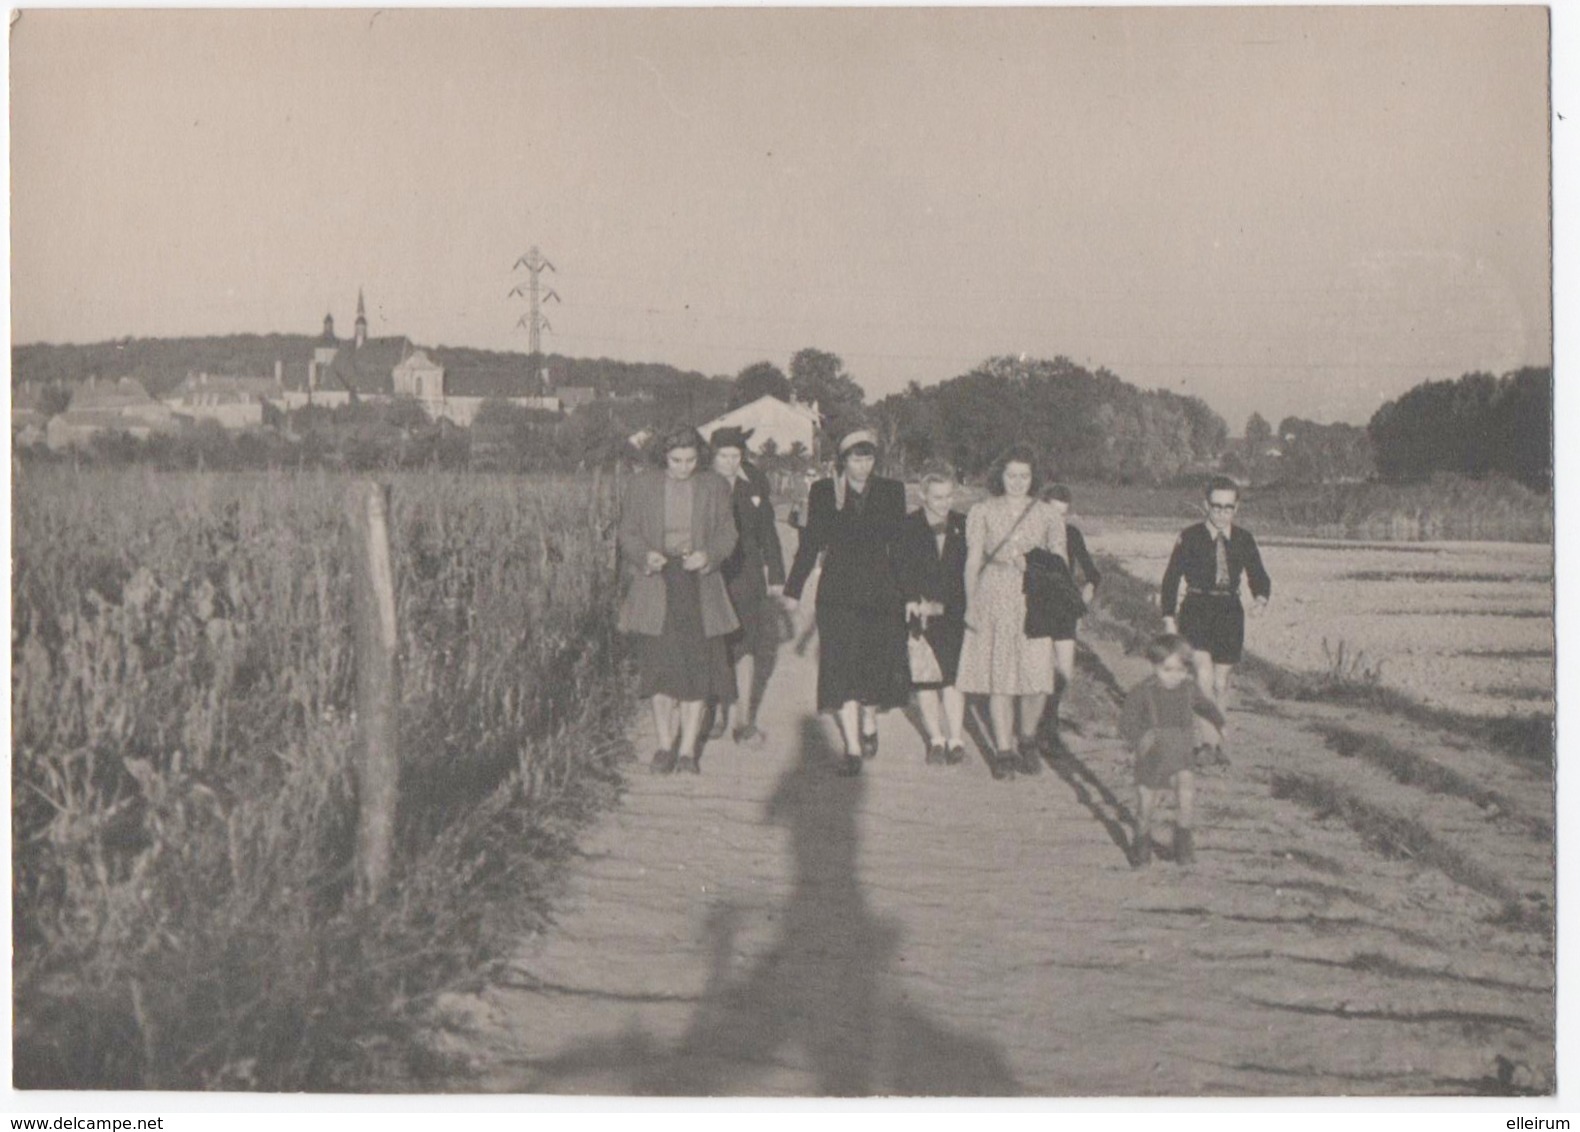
{"points": [[769, 928]]}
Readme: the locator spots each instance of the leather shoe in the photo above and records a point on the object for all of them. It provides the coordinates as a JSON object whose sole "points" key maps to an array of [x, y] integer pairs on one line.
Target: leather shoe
{"points": [[1003, 766], [849, 766], [688, 764], [663, 762], [1030, 758], [955, 754], [869, 745], [936, 754]]}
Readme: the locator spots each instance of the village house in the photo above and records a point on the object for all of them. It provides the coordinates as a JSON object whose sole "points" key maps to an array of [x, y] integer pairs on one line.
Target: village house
{"points": [[455, 390], [232, 402], [785, 423], [101, 407]]}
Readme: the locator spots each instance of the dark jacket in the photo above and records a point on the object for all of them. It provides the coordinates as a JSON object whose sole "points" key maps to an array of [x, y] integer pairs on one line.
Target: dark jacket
{"points": [[861, 544], [1080, 557], [1195, 560], [642, 529], [758, 549], [925, 574]]}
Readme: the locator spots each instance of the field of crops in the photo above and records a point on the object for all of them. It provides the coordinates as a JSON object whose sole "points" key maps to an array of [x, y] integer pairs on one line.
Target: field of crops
{"points": [[1463, 626], [183, 694]]}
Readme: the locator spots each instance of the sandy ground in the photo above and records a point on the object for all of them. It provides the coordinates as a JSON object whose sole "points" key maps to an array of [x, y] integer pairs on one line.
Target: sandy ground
{"points": [[768, 928], [1462, 625]]}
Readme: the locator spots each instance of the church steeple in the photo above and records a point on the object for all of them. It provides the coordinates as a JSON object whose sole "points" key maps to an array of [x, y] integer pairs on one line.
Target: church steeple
{"points": [[329, 329], [362, 321]]}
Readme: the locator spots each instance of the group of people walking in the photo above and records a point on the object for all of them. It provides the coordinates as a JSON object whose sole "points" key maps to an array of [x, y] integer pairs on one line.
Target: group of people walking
{"points": [[934, 603]]}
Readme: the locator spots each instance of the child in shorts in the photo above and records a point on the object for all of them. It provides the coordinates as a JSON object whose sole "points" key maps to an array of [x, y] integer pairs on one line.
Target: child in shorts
{"points": [[1159, 725]]}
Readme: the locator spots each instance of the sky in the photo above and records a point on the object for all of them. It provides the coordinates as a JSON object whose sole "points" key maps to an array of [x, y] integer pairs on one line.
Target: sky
{"points": [[1292, 211]]}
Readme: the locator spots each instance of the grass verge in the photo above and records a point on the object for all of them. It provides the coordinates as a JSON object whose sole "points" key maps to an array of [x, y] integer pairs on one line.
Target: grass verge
{"points": [[183, 794], [1395, 835]]}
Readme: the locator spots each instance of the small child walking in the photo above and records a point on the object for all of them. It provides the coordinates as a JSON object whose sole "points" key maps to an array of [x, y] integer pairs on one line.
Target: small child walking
{"points": [[1158, 723]]}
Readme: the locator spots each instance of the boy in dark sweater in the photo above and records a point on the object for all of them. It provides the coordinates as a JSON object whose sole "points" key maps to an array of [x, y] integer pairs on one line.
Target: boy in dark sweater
{"points": [[1211, 556]]}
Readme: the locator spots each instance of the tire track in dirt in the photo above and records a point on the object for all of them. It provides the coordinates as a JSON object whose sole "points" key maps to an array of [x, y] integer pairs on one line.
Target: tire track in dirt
{"points": [[769, 928]]}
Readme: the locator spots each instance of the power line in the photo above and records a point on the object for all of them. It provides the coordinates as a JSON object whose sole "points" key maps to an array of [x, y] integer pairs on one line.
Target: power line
{"points": [[534, 320]]}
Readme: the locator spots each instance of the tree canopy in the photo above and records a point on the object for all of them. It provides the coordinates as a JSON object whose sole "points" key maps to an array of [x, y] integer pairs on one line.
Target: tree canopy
{"points": [[1478, 425], [1091, 425], [758, 380]]}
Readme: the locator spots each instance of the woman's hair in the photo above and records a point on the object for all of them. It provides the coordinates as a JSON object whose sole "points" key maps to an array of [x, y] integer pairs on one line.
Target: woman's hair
{"points": [[936, 473], [1165, 645], [1014, 454], [682, 436], [859, 449]]}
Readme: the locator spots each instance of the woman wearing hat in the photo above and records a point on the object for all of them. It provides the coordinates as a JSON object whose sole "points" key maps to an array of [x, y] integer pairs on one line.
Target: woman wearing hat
{"points": [[856, 518], [753, 574], [676, 528]]}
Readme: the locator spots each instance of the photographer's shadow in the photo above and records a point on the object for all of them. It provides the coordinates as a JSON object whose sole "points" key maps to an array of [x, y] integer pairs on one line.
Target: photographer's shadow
{"points": [[823, 988]]}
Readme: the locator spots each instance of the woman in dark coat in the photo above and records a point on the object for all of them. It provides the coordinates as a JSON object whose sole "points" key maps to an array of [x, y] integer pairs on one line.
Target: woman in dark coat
{"points": [[862, 668], [755, 576], [676, 528], [932, 567]]}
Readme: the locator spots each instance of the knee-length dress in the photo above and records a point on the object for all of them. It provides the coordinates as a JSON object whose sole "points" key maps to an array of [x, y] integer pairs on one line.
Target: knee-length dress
{"points": [[996, 656], [860, 613]]}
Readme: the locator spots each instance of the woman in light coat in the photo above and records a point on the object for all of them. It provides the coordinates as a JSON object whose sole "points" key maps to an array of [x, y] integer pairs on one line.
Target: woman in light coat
{"points": [[676, 530]]}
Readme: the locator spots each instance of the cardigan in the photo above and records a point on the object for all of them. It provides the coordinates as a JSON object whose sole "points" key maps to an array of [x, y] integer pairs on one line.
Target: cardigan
{"points": [[642, 529]]}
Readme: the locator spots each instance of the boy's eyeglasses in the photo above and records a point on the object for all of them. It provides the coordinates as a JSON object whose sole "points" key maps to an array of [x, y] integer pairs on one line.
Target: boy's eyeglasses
{"points": [[1222, 506]]}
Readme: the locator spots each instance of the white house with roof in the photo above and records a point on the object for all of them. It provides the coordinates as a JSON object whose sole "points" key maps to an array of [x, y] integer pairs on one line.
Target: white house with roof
{"points": [[786, 423]]}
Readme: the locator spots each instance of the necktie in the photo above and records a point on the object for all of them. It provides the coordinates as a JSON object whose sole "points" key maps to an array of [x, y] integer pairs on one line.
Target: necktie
{"points": [[1220, 578]]}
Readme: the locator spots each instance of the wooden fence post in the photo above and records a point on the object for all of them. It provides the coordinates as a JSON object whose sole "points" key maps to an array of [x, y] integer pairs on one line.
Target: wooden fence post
{"points": [[378, 684]]}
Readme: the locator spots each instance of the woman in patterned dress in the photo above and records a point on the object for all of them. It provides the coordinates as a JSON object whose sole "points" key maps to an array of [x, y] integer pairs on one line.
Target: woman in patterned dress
{"points": [[997, 659]]}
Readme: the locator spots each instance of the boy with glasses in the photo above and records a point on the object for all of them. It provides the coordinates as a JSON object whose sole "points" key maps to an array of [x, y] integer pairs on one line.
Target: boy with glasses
{"points": [[1211, 556]]}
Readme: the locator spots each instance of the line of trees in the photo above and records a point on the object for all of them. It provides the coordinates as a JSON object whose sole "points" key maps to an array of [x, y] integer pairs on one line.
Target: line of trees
{"points": [[1093, 425], [815, 377], [1477, 426]]}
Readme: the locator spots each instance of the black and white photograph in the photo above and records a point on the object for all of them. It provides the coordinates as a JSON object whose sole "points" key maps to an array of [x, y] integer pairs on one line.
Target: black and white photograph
{"points": [[733, 552]]}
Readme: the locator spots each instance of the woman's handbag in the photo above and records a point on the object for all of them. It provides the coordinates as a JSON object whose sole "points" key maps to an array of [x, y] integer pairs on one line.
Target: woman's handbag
{"points": [[925, 668], [1053, 600]]}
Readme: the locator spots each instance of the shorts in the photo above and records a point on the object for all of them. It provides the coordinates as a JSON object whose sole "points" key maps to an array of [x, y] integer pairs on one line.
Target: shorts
{"points": [[1214, 624]]}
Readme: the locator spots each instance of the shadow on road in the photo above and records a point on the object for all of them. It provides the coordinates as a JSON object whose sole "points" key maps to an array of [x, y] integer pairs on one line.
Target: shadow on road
{"points": [[820, 998]]}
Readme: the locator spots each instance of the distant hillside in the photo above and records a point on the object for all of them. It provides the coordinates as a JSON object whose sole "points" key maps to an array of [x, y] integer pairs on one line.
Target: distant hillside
{"points": [[161, 363]]}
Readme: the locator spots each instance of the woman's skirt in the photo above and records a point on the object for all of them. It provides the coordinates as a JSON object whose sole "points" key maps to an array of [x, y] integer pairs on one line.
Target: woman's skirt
{"points": [[759, 632], [682, 662], [862, 656], [945, 635]]}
